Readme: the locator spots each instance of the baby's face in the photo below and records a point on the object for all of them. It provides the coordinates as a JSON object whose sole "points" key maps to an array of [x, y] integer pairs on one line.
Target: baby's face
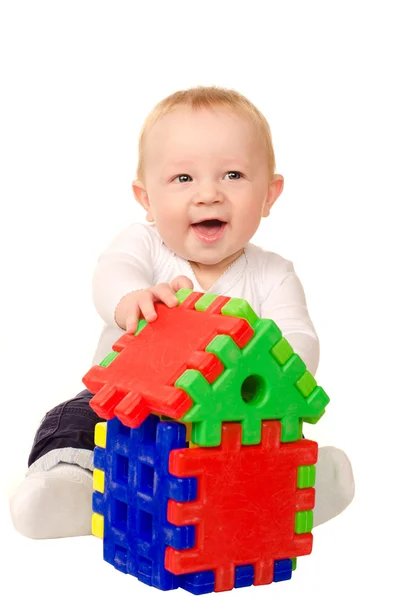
{"points": [[206, 182]]}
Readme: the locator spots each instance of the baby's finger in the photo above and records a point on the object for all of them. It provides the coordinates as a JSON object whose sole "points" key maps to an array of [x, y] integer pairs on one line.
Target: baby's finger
{"points": [[146, 305], [165, 294], [132, 318], [181, 282]]}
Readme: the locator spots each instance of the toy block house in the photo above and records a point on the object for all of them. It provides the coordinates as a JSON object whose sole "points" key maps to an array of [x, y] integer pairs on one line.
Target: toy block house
{"points": [[202, 478]]}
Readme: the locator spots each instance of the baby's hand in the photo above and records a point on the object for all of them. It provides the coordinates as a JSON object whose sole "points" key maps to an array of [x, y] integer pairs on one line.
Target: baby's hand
{"points": [[140, 304]]}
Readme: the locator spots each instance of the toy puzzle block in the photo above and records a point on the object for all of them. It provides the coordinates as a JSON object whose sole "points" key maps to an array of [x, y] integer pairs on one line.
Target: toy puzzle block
{"points": [[204, 519], [201, 477], [256, 386], [130, 498], [140, 379], [205, 362], [246, 508], [282, 570], [198, 583]]}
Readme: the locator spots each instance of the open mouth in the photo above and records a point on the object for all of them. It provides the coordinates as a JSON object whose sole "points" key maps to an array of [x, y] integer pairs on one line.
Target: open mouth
{"points": [[209, 227], [209, 231]]}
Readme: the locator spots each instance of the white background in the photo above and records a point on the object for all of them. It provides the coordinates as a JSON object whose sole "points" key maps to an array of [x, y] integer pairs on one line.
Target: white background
{"points": [[77, 79]]}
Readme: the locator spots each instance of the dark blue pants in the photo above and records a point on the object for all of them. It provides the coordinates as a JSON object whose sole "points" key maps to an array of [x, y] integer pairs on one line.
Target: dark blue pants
{"points": [[68, 425]]}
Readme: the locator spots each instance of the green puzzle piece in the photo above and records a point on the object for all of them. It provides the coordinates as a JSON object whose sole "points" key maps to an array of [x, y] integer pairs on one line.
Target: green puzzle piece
{"points": [[254, 386], [108, 359], [304, 521], [306, 476]]}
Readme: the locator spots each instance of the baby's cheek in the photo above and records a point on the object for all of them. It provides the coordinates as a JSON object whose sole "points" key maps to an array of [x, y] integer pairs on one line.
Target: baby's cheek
{"points": [[170, 229], [248, 224], [174, 218]]}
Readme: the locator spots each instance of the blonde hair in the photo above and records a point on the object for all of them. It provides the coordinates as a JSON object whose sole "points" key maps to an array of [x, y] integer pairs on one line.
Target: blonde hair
{"points": [[207, 97]]}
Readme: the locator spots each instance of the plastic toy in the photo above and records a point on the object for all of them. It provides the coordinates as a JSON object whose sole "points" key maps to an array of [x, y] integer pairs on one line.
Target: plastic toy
{"points": [[202, 479]]}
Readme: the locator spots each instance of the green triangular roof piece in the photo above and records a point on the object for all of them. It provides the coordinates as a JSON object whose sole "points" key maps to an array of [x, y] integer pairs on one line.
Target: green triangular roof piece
{"points": [[254, 386]]}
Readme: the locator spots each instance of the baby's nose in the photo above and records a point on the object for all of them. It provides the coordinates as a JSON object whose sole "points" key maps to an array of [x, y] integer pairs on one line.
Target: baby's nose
{"points": [[209, 193]]}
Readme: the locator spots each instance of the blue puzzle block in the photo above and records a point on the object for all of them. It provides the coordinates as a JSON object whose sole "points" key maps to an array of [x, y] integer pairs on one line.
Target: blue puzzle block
{"points": [[198, 583], [282, 569], [204, 581], [134, 504], [244, 576], [99, 458], [98, 503]]}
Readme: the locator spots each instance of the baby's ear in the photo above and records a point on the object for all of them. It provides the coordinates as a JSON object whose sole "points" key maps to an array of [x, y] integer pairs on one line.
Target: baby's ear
{"points": [[142, 197], [275, 188]]}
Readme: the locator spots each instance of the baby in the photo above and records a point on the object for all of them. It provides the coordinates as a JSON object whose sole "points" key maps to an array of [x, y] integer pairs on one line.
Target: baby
{"points": [[205, 178]]}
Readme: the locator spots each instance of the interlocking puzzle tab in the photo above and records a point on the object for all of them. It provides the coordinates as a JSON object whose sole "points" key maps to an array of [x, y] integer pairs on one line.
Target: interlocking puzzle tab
{"points": [[227, 501]]}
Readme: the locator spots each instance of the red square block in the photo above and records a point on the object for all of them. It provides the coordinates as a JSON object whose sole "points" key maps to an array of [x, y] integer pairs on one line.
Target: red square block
{"points": [[140, 380], [246, 504]]}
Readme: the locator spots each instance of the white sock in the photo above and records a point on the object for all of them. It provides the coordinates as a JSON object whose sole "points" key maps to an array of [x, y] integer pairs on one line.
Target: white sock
{"points": [[334, 484], [53, 504]]}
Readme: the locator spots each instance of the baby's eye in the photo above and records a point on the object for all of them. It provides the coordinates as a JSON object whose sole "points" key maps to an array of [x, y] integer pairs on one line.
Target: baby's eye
{"points": [[235, 174], [182, 178]]}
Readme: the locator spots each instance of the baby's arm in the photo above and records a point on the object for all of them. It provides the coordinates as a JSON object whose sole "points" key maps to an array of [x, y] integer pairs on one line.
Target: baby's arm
{"points": [[123, 289], [286, 305]]}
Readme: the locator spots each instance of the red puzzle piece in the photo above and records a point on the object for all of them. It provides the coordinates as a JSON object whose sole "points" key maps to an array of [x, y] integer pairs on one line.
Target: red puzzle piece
{"points": [[140, 380], [246, 504]]}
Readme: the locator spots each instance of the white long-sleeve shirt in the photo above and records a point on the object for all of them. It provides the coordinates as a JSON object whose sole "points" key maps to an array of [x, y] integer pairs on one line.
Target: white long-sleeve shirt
{"points": [[138, 258]]}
